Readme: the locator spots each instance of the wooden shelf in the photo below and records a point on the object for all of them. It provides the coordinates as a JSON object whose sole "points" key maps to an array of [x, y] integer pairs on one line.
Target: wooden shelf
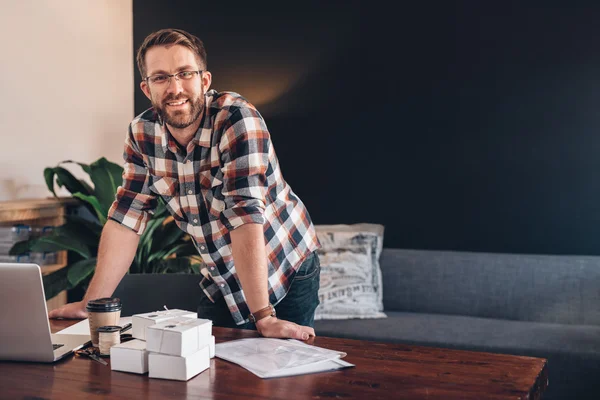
{"points": [[40, 212], [20, 211]]}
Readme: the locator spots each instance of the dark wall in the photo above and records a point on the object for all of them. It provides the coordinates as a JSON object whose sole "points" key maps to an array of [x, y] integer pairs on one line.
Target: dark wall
{"points": [[457, 125]]}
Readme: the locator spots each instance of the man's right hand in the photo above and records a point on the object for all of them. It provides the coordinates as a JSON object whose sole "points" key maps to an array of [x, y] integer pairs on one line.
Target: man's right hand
{"points": [[70, 311], [278, 328]]}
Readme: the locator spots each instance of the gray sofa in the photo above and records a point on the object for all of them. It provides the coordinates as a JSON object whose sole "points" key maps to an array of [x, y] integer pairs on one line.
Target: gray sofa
{"points": [[534, 305], [542, 306]]}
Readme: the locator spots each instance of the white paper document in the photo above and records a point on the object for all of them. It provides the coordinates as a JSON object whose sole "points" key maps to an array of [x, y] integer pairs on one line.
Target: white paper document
{"points": [[271, 358]]}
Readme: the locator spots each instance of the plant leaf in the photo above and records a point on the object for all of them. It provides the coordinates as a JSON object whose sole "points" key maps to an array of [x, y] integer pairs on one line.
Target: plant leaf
{"points": [[178, 251], [146, 239], [86, 232], [187, 250], [55, 283], [174, 265], [83, 166], [55, 242], [107, 177], [195, 267], [49, 178], [21, 247], [167, 235], [93, 226], [81, 270], [161, 209], [72, 184], [100, 211]]}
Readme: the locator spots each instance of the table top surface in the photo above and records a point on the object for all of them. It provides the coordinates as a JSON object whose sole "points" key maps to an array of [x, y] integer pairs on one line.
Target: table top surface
{"points": [[382, 371]]}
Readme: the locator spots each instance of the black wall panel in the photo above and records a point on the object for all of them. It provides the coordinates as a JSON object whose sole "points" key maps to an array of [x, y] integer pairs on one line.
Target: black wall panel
{"points": [[462, 125]]}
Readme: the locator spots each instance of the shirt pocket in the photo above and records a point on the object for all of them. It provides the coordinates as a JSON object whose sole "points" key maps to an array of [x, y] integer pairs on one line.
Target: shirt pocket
{"points": [[208, 180], [168, 188], [211, 187]]}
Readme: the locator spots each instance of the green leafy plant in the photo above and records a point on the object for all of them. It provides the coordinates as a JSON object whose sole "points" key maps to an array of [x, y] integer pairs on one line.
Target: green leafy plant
{"points": [[163, 247]]}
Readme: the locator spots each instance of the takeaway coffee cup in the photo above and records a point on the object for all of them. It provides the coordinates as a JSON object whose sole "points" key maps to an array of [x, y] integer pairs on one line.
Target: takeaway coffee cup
{"points": [[103, 312]]}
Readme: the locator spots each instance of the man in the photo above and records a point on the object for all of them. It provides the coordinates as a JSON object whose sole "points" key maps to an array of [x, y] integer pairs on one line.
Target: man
{"points": [[210, 157]]}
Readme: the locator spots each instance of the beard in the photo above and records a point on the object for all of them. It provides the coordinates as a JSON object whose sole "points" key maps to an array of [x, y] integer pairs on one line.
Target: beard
{"points": [[180, 118]]}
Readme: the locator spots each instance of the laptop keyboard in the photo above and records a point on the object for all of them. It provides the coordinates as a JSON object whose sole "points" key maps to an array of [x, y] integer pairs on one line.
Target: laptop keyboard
{"points": [[56, 346]]}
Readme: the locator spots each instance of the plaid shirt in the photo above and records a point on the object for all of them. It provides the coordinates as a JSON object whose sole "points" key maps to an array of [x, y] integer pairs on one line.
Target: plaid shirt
{"points": [[229, 177]]}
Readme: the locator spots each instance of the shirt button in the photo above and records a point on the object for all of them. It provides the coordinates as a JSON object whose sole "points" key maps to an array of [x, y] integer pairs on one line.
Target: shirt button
{"points": [[202, 248], [190, 192], [212, 268], [195, 221], [222, 285]]}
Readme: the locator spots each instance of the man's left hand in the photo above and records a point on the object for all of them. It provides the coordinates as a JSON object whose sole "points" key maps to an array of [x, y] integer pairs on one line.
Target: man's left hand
{"points": [[274, 327]]}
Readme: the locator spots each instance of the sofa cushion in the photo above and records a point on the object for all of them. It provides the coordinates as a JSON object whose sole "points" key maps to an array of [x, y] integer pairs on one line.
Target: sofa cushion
{"points": [[484, 334], [542, 288]]}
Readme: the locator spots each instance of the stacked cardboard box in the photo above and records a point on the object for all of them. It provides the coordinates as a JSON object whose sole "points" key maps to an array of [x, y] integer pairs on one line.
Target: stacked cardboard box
{"points": [[141, 321], [130, 356], [179, 348], [176, 345]]}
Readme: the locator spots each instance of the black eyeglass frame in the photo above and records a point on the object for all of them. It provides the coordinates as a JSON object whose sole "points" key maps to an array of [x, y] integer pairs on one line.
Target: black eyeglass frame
{"points": [[177, 76]]}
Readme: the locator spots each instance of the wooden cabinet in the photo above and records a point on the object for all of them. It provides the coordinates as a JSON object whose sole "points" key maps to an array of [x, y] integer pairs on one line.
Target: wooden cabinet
{"points": [[39, 212]]}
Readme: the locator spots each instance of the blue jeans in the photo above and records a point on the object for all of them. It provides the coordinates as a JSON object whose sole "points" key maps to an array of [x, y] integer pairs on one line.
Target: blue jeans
{"points": [[297, 306]]}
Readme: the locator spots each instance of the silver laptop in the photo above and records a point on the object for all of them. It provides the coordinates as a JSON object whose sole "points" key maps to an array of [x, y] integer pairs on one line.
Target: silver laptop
{"points": [[24, 326]]}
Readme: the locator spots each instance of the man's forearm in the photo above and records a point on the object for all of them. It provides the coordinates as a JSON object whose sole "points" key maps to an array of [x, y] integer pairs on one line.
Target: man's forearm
{"points": [[118, 245], [250, 259]]}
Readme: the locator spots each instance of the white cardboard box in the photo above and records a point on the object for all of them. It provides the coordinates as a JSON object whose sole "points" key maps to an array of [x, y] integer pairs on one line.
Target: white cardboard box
{"points": [[165, 366], [130, 356], [179, 336], [212, 347], [141, 321]]}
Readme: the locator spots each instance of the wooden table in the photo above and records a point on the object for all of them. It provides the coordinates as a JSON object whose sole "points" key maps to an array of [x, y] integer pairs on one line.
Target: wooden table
{"points": [[383, 371]]}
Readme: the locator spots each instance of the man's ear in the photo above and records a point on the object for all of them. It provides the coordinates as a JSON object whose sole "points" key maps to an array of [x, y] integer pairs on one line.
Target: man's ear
{"points": [[146, 89], [206, 80]]}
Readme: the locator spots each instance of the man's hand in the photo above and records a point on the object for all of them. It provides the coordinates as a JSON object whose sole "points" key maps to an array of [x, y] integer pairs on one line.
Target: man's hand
{"points": [[278, 328], [71, 311]]}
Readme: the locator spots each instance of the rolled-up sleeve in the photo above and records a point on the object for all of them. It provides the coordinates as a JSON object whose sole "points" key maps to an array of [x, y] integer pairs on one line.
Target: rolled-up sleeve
{"points": [[134, 201], [244, 148]]}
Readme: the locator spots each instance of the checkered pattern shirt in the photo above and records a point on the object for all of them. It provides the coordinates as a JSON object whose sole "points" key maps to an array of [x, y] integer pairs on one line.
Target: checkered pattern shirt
{"points": [[228, 177]]}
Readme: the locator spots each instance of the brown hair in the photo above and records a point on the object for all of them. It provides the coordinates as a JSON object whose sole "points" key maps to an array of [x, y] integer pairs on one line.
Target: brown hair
{"points": [[167, 37]]}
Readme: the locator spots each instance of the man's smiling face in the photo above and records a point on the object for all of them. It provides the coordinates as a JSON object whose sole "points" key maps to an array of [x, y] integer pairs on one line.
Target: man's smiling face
{"points": [[179, 102]]}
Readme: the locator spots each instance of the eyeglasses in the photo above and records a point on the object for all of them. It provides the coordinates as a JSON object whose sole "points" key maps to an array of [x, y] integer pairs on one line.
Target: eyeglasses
{"points": [[161, 79]]}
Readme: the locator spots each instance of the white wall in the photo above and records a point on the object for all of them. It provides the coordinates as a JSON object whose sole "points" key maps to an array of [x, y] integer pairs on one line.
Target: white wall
{"points": [[66, 87]]}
